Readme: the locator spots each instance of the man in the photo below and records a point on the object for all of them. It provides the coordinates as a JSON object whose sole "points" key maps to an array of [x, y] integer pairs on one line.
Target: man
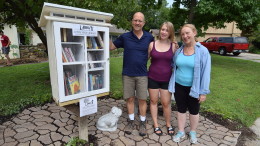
{"points": [[135, 44], [5, 47]]}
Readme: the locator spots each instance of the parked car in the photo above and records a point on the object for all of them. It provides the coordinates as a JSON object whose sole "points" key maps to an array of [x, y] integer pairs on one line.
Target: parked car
{"points": [[224, 45]]}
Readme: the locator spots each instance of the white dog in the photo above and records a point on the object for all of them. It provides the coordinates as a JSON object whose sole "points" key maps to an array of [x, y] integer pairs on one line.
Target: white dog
{"points": [[108, 122]]}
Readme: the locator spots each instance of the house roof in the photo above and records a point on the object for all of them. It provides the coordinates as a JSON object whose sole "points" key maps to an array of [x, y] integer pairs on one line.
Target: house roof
{"points": [[116, 30], [154, 31], [72, 14]]}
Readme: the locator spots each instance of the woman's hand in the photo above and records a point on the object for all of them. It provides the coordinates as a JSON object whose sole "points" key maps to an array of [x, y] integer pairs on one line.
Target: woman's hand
{"points": [[202, 98]]}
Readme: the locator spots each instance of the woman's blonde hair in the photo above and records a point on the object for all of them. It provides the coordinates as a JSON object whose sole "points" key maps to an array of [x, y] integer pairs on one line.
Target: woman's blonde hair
{"points": [[192, 27], [170, 28]]}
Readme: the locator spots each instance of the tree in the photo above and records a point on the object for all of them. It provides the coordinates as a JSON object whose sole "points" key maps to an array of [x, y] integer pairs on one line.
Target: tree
{"points": [[244, 12], [205, 13], [24, 13]]}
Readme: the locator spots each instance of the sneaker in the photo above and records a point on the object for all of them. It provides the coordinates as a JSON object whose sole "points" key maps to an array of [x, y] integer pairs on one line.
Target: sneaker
{"points": [[142, 128], [193, 137], [178, 136], [129, 127]]}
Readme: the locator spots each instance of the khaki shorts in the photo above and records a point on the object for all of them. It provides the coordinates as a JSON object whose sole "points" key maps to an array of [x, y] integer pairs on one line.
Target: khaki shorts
{"points": [[135, 86]]}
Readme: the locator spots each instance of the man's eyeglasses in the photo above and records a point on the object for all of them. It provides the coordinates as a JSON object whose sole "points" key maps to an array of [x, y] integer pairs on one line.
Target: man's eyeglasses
{"points": [[137, 21]]}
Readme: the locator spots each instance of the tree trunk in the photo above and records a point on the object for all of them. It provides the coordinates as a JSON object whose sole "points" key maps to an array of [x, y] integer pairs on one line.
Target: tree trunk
{"points": [[192, 11]]}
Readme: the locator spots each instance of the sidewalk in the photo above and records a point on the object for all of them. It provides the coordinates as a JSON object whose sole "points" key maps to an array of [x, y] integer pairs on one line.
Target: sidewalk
{"points": [[54, 125]]}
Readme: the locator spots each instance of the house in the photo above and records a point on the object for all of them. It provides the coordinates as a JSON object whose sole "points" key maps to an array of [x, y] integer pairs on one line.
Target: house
{"points": [[114, 32], [229, 31], [18, 38]]}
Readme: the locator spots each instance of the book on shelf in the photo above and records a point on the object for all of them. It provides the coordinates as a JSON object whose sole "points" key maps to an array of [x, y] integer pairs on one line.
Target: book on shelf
{"points": [[95, 81], [67, 92], [71, 54], [64, 57], [89, 43], [100, 40], [98, 44], [90, 58], [63, 33], [71, 83], [74, 84], [94, 43], [68, 54]]}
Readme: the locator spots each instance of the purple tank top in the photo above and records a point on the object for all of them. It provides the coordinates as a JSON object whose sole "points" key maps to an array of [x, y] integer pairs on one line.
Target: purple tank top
{"points": [[160, 68]]}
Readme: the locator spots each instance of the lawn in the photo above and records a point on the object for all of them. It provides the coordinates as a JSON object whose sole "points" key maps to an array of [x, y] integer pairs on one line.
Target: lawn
{"points": [[22, 86], [234, 87]]}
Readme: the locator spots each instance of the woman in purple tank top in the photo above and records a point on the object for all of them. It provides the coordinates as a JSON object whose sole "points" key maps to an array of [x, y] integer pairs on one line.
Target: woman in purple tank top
{"points": [[161, 52]]}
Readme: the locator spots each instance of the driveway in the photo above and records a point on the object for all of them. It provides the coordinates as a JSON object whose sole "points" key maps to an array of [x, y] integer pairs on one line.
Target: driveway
{"points": [[247, 56]]}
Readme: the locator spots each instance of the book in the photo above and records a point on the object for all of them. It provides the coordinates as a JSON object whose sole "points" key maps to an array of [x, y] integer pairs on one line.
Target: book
{"points": [[90, 82], [100, 40], [65, 85], [98, 44], [95, 81], [94, 43], [74, 84], [63, 35], [66, 82], [64, 57], [71, 83], [67, 53], [71, 54], [89, 43], [90, 58]]}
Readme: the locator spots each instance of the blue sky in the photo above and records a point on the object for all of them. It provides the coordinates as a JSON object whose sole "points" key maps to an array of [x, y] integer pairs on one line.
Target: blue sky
{"points": [[169, 3]]}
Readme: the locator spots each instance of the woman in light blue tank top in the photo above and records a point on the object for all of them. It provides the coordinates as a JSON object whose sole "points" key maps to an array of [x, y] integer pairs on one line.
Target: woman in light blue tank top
{"points": [[190, 81]]}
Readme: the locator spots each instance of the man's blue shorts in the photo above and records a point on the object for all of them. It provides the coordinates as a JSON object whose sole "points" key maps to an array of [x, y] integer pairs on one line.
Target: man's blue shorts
{"points": [[5, 50]]}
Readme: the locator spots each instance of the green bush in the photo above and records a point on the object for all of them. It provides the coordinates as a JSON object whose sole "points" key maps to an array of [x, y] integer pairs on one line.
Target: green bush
{"points": [[117, 52], [75, 141], [255, 41]]}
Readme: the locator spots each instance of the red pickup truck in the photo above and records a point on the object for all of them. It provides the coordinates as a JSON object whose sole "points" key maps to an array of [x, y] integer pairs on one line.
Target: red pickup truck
{"points": [[224, 45]]}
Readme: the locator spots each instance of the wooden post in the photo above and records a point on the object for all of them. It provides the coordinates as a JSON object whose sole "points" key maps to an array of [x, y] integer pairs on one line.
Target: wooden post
{"points": [[82, 122], [83, 128]]}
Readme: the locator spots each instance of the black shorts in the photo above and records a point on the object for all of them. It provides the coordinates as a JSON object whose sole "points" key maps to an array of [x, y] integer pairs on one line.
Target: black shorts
{"points": [[5, 50], [184, 101], [152, 84]]}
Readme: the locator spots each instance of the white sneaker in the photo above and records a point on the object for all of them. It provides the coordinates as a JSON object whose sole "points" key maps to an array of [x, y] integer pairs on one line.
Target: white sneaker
{"points": [[178, 136], [193, 137]]}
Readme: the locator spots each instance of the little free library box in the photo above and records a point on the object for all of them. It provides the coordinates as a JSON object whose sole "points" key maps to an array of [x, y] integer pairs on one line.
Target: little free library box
{"points": [[78, 49]]}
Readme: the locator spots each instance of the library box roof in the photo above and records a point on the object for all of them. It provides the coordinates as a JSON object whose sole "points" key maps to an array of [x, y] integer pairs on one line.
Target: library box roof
{"points": [[63, 13]]}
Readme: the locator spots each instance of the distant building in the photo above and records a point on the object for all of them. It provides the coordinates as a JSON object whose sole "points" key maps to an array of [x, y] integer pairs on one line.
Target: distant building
{"points": [[229, 31], [114, 32], [18, 38]]}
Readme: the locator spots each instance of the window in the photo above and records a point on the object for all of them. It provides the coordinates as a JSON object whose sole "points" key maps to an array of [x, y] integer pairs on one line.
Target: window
{"points": [[208, 40], [240, 40]]}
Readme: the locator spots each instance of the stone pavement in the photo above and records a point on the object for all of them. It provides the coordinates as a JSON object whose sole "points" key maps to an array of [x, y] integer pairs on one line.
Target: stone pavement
{"points": [[53, 125]]}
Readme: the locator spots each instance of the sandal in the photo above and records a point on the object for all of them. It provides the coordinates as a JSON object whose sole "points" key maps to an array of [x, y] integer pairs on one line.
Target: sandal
{"points": [[158, 129], [170, 131]]}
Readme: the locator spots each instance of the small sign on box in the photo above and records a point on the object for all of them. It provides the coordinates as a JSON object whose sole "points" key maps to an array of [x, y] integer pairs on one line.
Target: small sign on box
{"points": [[84, 30], [88, 105]]}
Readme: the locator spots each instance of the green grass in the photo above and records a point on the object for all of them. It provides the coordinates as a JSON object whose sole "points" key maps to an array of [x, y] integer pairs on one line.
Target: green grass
{"points": [[22, 86], [116, 77], [235, 87]]}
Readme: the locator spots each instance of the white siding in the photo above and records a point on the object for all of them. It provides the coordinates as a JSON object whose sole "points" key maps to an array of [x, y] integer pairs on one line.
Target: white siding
{"points": [[35, 39]]}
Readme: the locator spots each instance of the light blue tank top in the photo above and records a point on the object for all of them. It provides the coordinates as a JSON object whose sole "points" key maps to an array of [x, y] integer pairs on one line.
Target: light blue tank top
{"points": [[185, 69]]}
